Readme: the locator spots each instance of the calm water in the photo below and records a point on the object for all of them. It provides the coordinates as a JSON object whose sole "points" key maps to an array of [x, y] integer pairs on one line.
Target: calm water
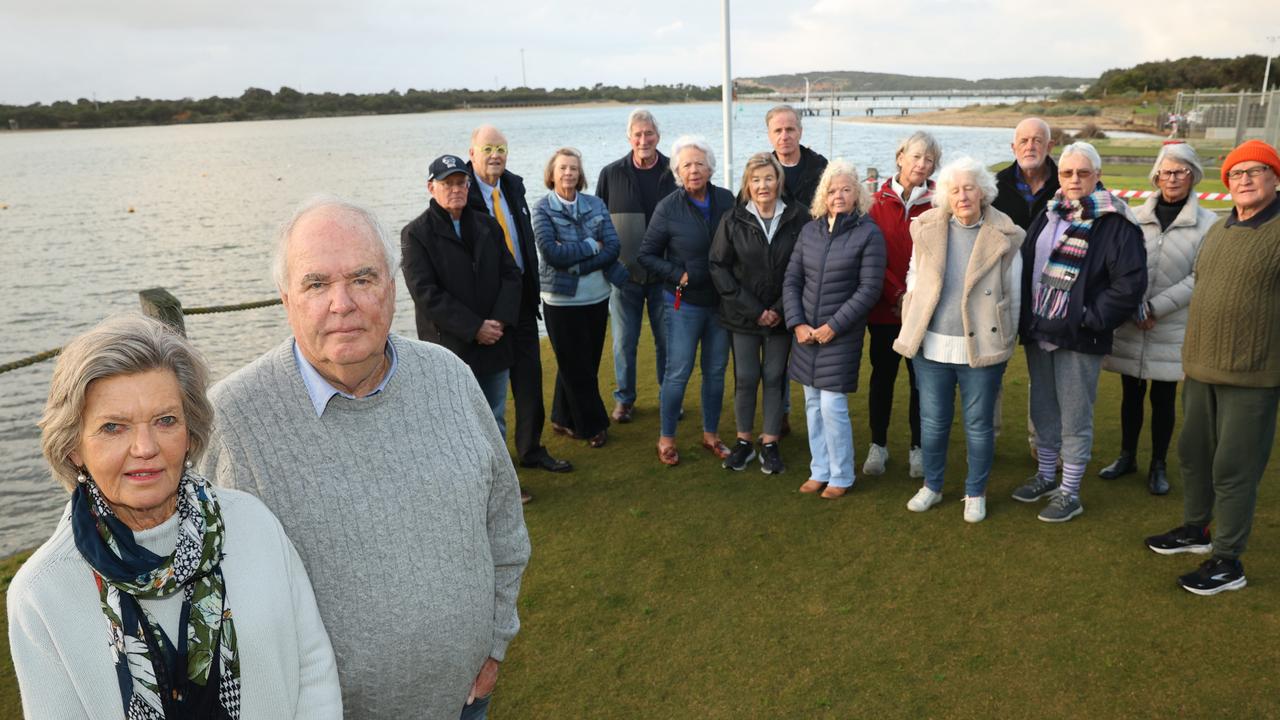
{"points": [[206, 199]]}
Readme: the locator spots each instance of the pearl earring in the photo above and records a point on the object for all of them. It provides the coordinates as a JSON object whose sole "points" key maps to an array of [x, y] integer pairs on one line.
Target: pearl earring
{"points": [[81, 477], [188, 464]]}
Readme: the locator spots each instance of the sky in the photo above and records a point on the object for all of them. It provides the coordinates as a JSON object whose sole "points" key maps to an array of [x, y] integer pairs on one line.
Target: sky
{"points": [[68, 49]]}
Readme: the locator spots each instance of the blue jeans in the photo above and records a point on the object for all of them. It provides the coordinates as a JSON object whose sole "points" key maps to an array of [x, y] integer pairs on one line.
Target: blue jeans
{"points": [[685, 329], [830, 436], [626, 310], [979, 388], [478, 710], [494, 387]]}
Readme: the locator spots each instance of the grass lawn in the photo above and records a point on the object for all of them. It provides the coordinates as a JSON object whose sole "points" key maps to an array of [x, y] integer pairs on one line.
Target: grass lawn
{"points": [[659, 592]]}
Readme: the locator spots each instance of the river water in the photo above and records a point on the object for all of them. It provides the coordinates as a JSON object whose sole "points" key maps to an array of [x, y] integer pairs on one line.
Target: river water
{"points": [[90, 217]]}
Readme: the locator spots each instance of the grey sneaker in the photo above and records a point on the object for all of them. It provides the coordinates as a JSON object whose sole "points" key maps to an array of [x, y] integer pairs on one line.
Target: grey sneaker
{"points": [[1035, 488], [1061, 508]]}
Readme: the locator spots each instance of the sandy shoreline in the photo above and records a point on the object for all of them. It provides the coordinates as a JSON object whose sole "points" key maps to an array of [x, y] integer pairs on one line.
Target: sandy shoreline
{"points": [[1003, 119]]}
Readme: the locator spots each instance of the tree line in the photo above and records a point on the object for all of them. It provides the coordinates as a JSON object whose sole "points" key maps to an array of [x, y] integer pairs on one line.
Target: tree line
{"points": [[1189, 73], [260, 104]]}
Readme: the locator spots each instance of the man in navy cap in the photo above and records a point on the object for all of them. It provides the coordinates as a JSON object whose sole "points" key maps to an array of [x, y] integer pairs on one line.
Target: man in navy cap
{"points": [[464, 282]]}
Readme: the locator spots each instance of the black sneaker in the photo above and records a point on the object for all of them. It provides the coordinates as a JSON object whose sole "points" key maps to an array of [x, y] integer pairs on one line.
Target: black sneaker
{"points": [[1185, 539], [742, 453], [1214, 575], [770, 459]]}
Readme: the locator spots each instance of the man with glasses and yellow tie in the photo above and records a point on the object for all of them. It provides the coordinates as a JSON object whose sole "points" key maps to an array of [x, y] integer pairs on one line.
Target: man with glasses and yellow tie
{"points": [[500, 193]]}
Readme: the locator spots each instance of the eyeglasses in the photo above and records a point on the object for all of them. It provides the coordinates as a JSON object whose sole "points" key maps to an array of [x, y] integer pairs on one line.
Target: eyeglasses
{"points": [[493, 149], [1173, 174], [1253, 172], [1082, 174]]}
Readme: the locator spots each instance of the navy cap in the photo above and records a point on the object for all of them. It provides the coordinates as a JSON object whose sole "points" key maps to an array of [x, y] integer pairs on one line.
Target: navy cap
{"points": [[446, 165]]}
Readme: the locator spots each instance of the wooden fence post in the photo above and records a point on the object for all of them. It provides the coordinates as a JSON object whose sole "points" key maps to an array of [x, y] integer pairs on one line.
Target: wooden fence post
{"points": [[163, 306]]}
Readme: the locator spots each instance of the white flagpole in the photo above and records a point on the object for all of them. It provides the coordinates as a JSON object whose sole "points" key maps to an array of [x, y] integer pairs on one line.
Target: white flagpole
{"points": [[726, 99]]}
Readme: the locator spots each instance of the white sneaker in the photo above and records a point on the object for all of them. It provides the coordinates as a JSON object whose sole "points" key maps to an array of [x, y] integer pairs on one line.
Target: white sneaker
{"points": [[915, 461], [975, 508], [877, 456], [923, 500]]}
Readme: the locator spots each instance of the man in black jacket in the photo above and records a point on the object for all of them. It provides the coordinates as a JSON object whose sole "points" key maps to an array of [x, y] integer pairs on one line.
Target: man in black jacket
{"points": [[801, 166], [1023, 188], [631, 188], [465, 286], [499, 193]]}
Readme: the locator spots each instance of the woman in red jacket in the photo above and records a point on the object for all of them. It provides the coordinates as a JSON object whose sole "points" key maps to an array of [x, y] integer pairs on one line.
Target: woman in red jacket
{"points": [[902, 197]]}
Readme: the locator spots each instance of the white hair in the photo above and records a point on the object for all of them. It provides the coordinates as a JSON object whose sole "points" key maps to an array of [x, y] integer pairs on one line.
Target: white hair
{"points": [[691, 141], [1080, 147], [373, 228], [949, 176], [1179, 153], [640, 115], [838, 168]]}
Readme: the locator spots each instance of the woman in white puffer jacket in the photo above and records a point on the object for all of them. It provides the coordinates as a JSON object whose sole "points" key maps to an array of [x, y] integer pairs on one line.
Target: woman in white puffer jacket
{"points": [[1149, 348]]}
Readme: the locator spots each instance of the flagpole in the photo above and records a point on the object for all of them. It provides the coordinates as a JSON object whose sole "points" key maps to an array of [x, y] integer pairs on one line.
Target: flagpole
{"points": [[726, 99]]}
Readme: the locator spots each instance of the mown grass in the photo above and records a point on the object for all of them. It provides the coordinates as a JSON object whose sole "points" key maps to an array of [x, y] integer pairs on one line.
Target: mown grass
{"points": [[659, 592]]}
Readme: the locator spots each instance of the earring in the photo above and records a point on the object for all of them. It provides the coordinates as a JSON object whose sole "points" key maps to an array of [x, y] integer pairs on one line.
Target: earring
{"points": [[81, 477], [188, 464]]}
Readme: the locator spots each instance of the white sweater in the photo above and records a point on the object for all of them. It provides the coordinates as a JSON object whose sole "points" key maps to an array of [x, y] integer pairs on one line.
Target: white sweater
{"points": [[58, 634]]}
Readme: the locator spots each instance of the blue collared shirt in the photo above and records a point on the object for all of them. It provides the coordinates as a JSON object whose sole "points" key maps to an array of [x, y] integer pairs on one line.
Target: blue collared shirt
{"points": [[486, 190], [319, 389]]}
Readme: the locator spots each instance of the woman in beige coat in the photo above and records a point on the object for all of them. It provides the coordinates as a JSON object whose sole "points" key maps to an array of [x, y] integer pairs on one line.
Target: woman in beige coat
{"points": [[960, 324], [1149, 348]]}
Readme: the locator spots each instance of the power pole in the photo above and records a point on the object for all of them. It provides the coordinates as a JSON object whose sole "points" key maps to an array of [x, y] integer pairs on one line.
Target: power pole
{"points": [[524, 79]]}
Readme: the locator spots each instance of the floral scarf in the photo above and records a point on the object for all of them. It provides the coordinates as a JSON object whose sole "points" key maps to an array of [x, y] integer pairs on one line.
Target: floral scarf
{"points": [[125, 572], [1066, 261]]}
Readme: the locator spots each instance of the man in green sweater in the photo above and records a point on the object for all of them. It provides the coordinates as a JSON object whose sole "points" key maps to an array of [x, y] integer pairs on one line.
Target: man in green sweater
{"points": [[383, 461], [1231, 357]]}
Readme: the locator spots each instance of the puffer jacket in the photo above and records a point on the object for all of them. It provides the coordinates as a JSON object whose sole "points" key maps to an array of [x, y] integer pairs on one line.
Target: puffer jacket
{"points": [[834, 278], [990, 300], [748, 269], [1107, 293], [1156, 354], [567, 244], [678, 240], [894, 218]]}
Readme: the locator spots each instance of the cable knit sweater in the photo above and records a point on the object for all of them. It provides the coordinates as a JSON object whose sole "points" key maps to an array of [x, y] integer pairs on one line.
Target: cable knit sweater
{"points": [[58, 636], [405, 508], [1233, 328]]}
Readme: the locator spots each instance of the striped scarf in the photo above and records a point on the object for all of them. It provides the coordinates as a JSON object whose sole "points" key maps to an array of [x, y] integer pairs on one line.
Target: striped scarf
{"points": [[1066, 261]]}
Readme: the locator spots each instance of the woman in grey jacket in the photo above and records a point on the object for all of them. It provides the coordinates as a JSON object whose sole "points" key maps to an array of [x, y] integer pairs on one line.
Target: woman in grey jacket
{"points": [[1149, 347], [960, 324], [833, 280]]}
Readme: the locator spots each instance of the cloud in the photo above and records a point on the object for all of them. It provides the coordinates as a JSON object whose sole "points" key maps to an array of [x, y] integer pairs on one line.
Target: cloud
{"points": [[669, 28]]}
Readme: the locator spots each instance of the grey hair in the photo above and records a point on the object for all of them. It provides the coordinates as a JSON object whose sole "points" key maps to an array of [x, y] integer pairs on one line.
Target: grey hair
{"points": [[949, 175], [279, 266], [1180, 153], [121, 345], [1081, 147], [838, 168], [931, 146], [776, 109], [692, 141], [640, 115]]}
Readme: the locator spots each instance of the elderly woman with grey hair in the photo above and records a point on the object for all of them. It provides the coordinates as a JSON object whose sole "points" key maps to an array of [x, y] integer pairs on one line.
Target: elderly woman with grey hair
{"points": [[904, 196], [676, 248], [1148, 348], [960, 324], [157, 597], [1084, 273]]}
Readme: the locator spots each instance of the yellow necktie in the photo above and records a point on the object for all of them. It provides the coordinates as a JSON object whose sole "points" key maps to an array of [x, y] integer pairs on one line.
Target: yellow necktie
{"points": [[502, 220]]}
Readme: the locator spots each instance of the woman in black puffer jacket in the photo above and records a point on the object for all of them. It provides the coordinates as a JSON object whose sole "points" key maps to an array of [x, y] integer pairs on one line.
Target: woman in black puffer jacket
{"points": [[749, 257], [834, 279]]}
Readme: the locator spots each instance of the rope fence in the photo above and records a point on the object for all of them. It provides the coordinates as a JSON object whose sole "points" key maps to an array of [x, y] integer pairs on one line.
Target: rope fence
{"points": [[158, 303]]}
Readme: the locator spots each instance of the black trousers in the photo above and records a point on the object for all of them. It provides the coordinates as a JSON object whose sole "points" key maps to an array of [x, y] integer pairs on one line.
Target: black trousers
{"points": [[526, 388], [1163, 405], [884, 373], [577, 337]]}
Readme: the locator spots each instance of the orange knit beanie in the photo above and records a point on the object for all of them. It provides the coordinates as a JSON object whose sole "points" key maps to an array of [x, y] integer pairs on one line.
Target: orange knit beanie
{"points": [[1255, 150]]}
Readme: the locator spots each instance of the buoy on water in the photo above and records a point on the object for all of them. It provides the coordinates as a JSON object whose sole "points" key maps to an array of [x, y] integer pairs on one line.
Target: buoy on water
{"points": [[130, 209]]}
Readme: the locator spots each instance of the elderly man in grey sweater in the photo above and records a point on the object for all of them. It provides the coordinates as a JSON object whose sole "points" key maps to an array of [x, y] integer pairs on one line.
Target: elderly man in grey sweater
{"points": [[384, 464]]}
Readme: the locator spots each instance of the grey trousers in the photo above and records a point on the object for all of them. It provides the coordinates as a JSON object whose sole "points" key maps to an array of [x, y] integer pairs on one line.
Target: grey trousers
{"points": [[1227, 436], [1064, 385], [756, 358]]}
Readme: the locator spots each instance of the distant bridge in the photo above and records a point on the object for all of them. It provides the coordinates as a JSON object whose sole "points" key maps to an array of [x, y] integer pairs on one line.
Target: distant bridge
{"points": [[899, 102]]}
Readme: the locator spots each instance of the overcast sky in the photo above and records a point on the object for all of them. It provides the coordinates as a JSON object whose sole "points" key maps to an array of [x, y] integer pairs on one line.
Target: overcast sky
{"points": [[67, 49]]}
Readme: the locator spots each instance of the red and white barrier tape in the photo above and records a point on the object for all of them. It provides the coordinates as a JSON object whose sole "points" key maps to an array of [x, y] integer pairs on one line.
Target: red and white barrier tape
{"points": [[1144, 194]]}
